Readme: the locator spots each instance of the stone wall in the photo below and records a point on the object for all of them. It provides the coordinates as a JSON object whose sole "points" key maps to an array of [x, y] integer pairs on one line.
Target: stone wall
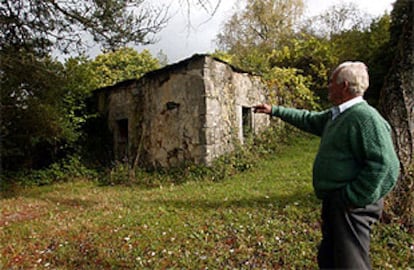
{"points": [[119, 105], [228, 93], [171, 104], [192, 111]]}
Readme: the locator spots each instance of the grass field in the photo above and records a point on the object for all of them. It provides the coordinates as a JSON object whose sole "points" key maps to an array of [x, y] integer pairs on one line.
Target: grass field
{"points": [[265, 218]]}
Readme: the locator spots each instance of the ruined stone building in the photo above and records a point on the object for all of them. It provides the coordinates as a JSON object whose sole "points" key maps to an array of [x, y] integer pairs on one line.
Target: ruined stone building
{"points": [[191, 111]]}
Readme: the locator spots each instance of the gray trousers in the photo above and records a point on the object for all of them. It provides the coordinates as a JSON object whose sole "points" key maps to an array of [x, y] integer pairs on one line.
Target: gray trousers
{"points": [[346, 234]]}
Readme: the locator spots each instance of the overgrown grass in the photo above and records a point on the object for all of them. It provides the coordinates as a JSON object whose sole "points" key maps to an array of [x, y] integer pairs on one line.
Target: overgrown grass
{"points": [[264, 218]]}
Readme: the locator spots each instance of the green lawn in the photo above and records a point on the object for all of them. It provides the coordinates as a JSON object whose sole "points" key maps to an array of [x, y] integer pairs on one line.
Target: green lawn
{"points": [[265, 218]]}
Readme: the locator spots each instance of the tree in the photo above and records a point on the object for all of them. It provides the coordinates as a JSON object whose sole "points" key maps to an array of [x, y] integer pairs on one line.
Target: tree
{"points": [[256, 39], [120, 65], [313, 47], [37, 108], [264, 25], [397, 103], [36, 124], [312, 56], [38, 127], [288, 87], [376, 52], [369, 44], [349, 34], [47, 24], [337, 19], [62, 24]]}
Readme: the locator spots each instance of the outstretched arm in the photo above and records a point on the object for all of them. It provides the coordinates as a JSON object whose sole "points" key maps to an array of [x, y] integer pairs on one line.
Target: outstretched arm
{"points": [[312, 122]]}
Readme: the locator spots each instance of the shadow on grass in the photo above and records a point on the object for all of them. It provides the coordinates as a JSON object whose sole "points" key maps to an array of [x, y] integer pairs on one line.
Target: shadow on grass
{"points": [[301, 200], [9, 190], [71, 202]]}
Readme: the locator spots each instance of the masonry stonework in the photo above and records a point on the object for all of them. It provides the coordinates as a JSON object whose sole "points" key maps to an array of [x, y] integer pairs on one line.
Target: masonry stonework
{"points": [[193, 111]]}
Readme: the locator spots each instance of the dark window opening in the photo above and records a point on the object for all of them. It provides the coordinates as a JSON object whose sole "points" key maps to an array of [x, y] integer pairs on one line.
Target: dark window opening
{"points": [[123, 130], [122, 140], [247, 124]]}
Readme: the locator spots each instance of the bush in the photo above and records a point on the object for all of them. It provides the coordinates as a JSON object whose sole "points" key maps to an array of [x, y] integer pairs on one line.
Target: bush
{"points": [[62, 171], [399, 204]]}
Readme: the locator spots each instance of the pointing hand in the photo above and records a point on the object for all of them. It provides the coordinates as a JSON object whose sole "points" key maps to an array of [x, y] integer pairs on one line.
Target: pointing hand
{"points": [[263, 108]]}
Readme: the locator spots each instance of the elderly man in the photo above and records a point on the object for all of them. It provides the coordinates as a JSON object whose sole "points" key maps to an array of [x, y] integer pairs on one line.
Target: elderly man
{"points": [[355, 167]]}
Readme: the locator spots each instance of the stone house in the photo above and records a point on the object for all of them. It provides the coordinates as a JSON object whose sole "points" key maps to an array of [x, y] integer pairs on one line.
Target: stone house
{"points": [[192, 111]]}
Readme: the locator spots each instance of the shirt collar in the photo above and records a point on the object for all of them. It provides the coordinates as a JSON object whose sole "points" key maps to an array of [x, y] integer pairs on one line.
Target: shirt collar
{"points": [[348, 104], [337, 110]]}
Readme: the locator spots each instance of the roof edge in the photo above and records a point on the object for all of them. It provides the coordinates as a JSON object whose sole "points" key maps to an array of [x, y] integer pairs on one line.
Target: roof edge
{"points": [[168, 68]]}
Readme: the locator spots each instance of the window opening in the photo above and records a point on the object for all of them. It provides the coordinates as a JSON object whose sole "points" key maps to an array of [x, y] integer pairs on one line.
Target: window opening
{"points": [[247, 124], [123, 130], [122, 140]]}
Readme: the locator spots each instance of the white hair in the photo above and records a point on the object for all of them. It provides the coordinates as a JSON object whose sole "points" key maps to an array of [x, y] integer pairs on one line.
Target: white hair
{"points": [[356, 74]]}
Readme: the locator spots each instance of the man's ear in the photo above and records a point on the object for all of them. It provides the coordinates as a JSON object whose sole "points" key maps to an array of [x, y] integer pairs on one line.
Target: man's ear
{"points": [[346, 85], [347, 90]]}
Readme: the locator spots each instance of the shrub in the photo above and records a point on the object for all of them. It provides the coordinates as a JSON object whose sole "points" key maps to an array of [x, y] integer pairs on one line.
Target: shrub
{"points": [[62, 171], [399, 205]]}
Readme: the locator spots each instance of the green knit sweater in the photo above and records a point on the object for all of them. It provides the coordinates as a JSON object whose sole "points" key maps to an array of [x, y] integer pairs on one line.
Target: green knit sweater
{"points": [[356, 155]]}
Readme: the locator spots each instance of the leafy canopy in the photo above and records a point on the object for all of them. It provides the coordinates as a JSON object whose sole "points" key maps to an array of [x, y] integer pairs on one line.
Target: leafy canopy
{"points": [[260, 24], [65, 25], [268, 34], [120, 65], [259, 38]]}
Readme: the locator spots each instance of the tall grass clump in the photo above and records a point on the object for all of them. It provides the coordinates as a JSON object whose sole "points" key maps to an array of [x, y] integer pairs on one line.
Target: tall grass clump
{"points": [[62, 171]]}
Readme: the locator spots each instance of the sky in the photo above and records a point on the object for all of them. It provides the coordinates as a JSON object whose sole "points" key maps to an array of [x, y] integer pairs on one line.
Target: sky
{"points": [[178, 41]]}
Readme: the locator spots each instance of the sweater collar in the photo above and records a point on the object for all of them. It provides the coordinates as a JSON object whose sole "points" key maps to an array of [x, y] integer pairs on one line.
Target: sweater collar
{"points": [[337, 110]]}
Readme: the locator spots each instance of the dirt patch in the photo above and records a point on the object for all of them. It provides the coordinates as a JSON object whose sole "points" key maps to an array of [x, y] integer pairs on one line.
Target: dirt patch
{"points": [[29, 213]]}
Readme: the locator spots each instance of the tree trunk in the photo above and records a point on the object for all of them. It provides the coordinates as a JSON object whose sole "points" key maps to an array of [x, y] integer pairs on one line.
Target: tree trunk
{"points": [[397, 106]]}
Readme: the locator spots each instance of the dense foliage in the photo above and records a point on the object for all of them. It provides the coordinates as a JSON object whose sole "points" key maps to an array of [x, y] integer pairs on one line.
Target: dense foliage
{"points": [[264, 25], [46, 25], [37, 127], [312, 47], [42, 99], [123, 64]]}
